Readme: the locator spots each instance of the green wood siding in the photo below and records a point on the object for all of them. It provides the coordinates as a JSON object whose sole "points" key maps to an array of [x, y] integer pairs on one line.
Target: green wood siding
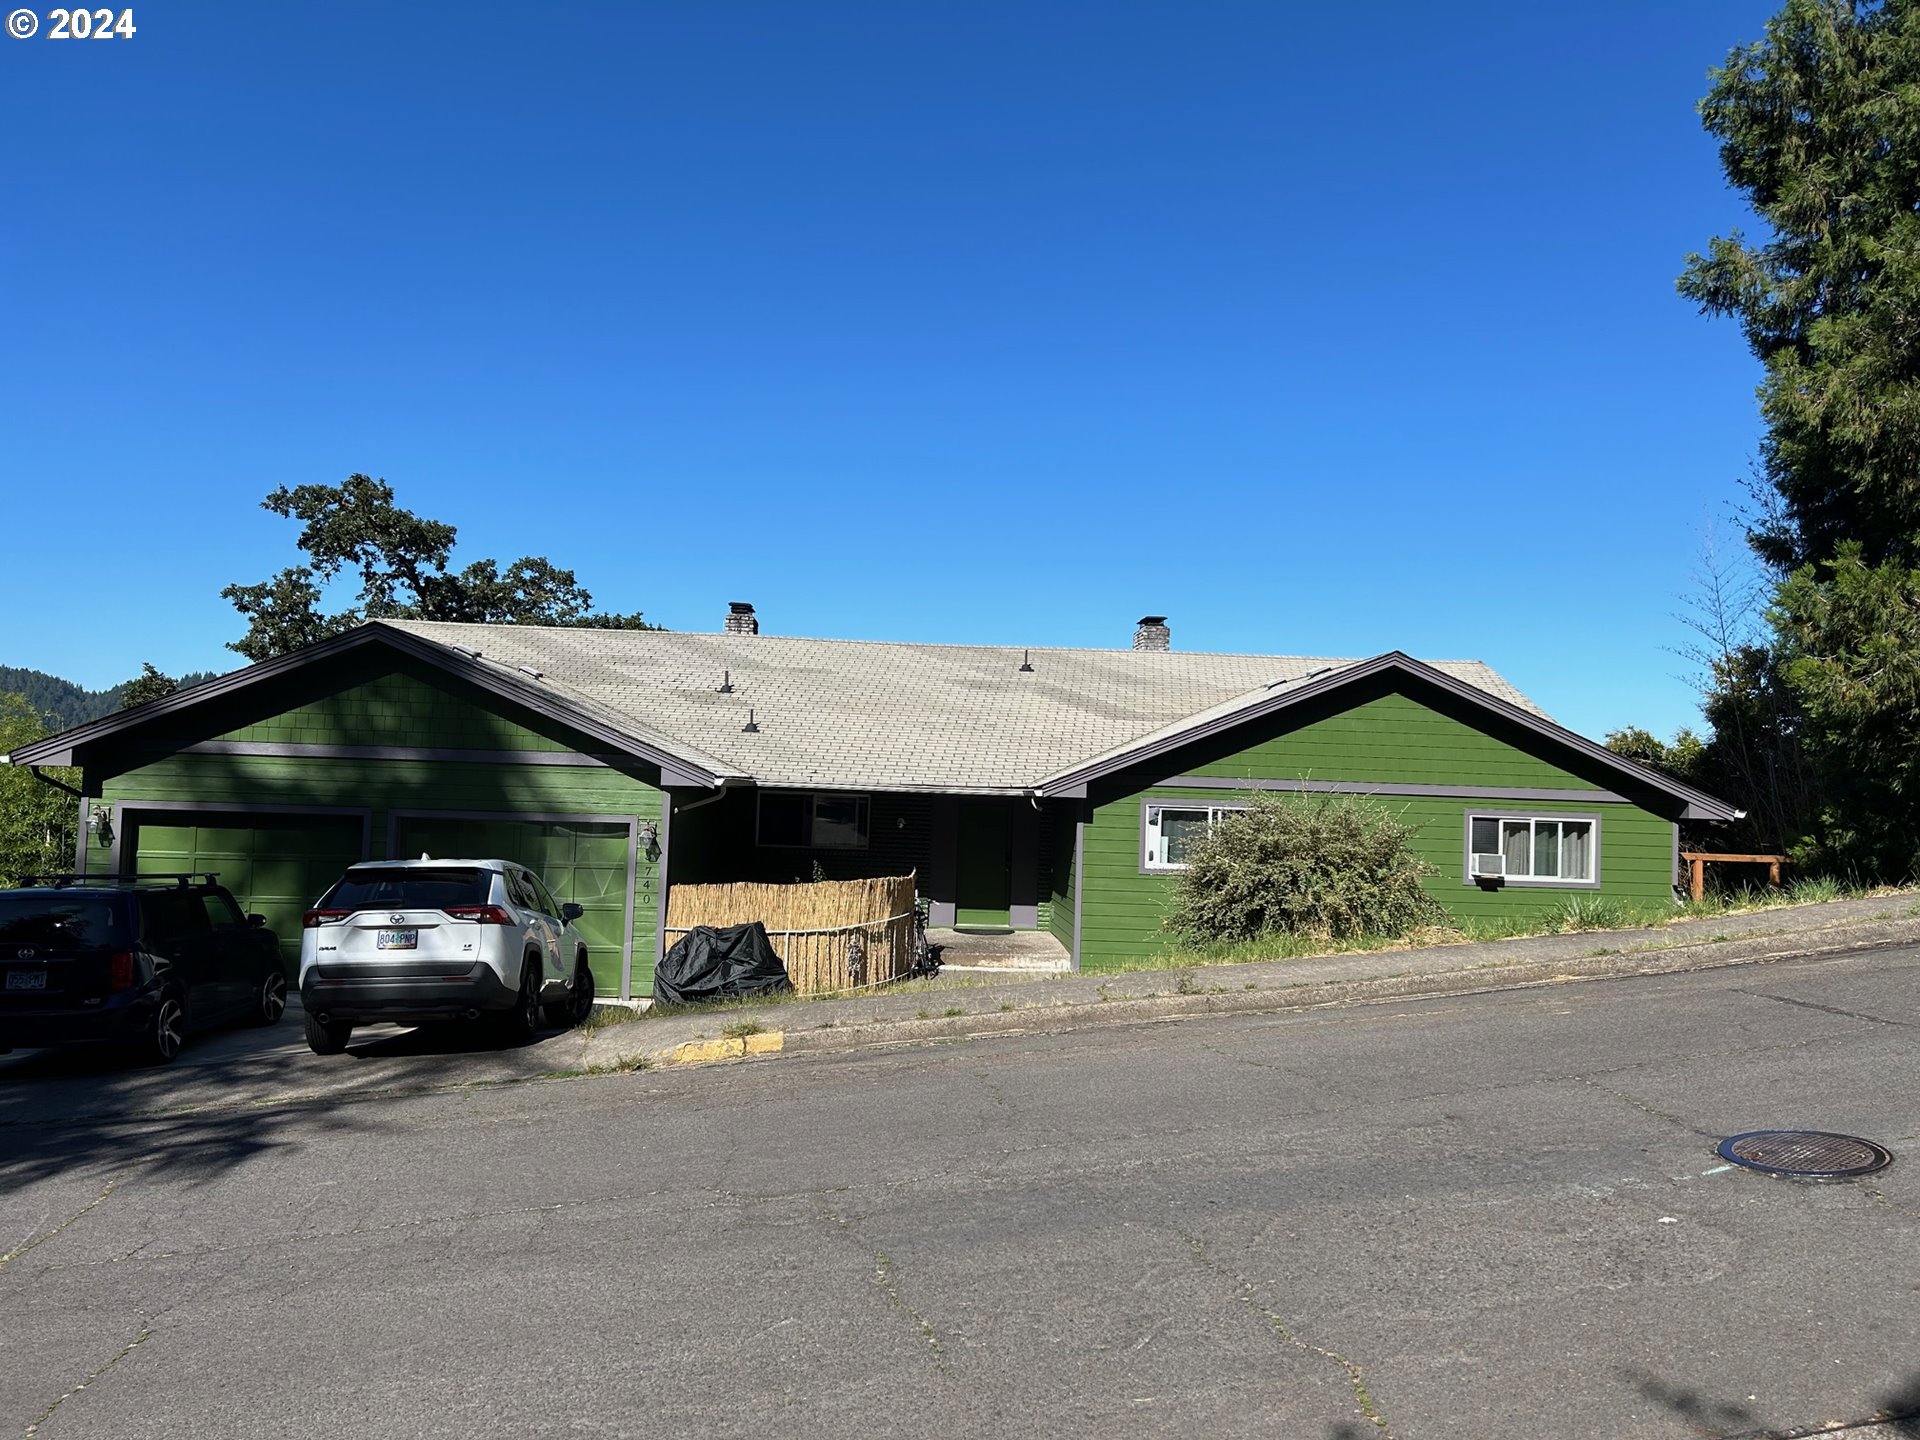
{"points": [[393, 709], [1388, 739]]}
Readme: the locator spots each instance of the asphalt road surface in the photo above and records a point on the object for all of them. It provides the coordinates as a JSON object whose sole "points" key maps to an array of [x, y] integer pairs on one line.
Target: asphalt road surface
{"points": [[1488, 1216]]}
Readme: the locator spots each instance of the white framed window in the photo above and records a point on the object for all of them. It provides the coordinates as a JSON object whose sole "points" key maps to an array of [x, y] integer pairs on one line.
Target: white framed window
{"points": [[1169, 828], [804, 820], [1534, 849]]}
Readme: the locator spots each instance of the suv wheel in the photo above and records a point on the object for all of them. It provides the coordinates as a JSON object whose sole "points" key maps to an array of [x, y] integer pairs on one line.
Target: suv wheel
{"points": [[166, 1031], [270, 999], [328, 1037], [524, 1020], [579, 1002]]}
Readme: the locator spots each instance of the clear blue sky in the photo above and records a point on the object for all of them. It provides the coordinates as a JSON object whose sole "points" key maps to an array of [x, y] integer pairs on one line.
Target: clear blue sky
{"points": [[1323, 330]]}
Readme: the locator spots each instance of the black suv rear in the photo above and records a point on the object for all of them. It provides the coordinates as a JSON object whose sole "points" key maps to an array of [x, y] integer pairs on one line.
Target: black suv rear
{"points": [[137, 962]]}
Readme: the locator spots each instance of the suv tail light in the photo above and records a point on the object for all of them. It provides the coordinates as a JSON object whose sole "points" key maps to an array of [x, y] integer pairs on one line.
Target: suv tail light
{"points": [[120, 972], [485, 914], [314, 919]]}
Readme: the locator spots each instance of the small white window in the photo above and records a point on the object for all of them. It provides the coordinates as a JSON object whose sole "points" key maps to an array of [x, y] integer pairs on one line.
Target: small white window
{"points": [[1544, 849], [1172, 828]]}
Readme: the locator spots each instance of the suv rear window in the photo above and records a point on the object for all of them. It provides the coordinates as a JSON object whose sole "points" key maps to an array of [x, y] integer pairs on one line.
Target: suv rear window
{"points": [[421, 889], [64, 922]]}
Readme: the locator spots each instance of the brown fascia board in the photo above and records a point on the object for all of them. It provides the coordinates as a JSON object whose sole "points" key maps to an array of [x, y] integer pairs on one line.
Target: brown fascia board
{"points": [[1699, 805], [59, 749]]}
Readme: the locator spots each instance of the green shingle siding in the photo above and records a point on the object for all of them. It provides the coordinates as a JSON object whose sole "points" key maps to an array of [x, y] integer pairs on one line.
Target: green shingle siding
{"points": [[395, 709], [1389, 739]]}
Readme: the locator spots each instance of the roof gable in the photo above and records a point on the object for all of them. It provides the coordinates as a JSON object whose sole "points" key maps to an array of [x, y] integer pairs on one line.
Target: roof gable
{"points": [[678, 763], [1275, 699]]}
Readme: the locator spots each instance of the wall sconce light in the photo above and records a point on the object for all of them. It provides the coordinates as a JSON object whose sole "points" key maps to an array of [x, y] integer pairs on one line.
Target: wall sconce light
{"points": [[100, 825], [650, 840]]}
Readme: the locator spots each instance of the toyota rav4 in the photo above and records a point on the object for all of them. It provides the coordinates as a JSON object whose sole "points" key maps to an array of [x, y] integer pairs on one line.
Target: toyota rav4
{"points": [[418, 941]]}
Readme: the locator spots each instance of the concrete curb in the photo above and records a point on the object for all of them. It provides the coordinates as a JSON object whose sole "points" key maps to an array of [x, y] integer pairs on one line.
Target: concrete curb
{"points": [[612, 1049]]}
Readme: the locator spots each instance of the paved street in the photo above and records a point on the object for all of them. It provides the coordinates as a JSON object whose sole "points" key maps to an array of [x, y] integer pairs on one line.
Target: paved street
{"points": [[1493, 1215]]}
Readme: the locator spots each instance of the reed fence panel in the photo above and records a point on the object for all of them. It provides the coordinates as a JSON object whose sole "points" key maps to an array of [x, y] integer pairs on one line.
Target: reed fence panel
{"points": [[833, 935]]}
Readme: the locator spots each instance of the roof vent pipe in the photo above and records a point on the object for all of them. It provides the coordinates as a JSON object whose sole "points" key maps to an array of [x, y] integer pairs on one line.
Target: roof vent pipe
{"points": [[1152, 633], [741, 619]]}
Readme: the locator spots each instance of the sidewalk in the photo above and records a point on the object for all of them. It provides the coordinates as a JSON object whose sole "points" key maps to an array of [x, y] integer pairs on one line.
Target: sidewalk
{"points": [[972, 1005]]}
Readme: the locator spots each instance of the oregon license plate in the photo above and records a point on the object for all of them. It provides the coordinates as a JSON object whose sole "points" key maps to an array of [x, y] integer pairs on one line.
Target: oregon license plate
{"points": [[397, 940], [26, 980]]}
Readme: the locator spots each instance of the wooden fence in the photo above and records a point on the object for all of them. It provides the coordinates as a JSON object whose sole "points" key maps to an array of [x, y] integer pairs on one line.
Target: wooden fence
{"points": [[834, 935]]}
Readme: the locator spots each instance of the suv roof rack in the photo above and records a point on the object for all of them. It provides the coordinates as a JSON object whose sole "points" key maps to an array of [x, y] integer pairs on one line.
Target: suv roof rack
{"points": [[182, 878]]}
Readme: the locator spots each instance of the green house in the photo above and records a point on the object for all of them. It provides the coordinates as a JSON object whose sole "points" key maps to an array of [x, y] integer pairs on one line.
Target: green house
{"points": [[1049, 790]]}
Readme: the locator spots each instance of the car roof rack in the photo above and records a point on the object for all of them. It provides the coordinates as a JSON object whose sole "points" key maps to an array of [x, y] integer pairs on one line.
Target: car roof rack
{"points": [[182, 878]]}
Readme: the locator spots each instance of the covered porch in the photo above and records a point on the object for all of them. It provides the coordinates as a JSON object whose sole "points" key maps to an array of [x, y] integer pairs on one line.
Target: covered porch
{"points": [[984, 863]]}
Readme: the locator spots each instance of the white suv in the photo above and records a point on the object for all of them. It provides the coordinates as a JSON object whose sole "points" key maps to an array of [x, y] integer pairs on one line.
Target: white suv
{"points": [[417, 941]]}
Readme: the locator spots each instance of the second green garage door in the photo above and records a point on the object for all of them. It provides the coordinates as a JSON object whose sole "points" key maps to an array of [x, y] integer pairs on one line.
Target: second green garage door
{"points": [[584, 861], [275, 865]]}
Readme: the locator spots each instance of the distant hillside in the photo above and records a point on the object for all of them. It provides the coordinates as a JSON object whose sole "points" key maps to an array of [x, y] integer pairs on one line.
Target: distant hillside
{"points": [[65, 704]]}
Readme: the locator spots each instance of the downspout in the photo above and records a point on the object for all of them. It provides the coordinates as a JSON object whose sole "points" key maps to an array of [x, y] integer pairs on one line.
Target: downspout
{"points": [[717, 796], [60, 785]]}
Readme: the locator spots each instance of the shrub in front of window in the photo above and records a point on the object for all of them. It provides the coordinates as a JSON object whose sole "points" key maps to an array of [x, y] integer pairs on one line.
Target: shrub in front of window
{"points": [[1328, 866]]}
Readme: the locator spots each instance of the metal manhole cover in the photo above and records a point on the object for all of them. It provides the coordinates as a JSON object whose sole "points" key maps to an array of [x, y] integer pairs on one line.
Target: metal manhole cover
{"points": [[1809, 1154]]}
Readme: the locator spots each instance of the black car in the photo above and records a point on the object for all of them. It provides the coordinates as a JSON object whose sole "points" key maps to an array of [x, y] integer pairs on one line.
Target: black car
{"points": [[137, 962]]}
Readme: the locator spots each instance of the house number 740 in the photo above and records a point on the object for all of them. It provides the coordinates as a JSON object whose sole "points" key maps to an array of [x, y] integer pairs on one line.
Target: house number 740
{"points": [[90, 24]]}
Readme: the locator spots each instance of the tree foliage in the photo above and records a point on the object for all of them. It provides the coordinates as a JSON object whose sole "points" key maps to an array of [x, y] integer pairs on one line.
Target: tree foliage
{"points": [[36, 820], [1328, 866], [1819, 126], [401, 563], [1682, 757], [1849, 647], [149, 684]]}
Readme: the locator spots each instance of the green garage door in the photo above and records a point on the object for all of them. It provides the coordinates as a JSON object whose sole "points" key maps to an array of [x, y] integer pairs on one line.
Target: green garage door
{"points": [[584, 861], [275, 865]]}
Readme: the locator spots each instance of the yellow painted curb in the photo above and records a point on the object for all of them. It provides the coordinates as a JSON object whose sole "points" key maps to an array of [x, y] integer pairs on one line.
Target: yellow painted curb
{"points": [[705, 1052]]}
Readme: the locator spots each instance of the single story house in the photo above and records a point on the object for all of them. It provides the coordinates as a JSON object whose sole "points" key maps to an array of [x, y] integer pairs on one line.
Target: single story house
{"points": [[1044, 789]]}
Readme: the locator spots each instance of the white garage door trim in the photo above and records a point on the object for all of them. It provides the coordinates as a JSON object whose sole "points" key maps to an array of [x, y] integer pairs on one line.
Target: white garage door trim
{"points": [[200, 807], [632, 826]]}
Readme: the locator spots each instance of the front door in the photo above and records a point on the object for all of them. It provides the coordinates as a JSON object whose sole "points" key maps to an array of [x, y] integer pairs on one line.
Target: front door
{"points": [[984, 882]]}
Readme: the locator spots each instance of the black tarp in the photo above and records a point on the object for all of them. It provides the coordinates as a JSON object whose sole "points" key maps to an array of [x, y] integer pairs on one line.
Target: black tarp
{"points": [[710, 964]]}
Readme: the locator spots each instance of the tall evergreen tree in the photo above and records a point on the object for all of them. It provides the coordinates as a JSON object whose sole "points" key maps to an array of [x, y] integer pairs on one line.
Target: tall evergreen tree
{"points": [[1819, 126]]}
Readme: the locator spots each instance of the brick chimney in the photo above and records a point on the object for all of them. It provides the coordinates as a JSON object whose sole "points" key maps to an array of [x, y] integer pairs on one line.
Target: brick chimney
{"points": [[1152, 633], [740, 619]]}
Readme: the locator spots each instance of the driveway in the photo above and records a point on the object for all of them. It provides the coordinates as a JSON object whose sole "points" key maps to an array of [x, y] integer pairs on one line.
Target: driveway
{"points": [[250, 1065]]}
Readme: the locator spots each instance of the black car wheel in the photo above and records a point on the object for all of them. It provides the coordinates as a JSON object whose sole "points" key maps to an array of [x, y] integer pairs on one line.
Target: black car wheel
{"points": [[579, 1002], [328, 1037], [166, 1031], [270, 999], [523, 1022]]}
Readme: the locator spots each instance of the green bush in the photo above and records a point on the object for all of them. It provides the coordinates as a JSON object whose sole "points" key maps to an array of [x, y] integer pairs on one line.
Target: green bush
{"points": [[1328, 866]]}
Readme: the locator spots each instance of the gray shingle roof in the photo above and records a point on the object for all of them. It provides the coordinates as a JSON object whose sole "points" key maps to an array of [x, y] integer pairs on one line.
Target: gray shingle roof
{"points": [[871, 715]]}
